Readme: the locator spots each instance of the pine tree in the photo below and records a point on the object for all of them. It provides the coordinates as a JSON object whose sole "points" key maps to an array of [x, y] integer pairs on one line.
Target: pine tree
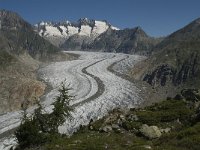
{"points": [[37, 129]]}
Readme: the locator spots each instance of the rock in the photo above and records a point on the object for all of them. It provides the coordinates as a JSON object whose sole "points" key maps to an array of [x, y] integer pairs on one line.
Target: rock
{"points": [[166, 130], [111, 119], [107, 129], [133, 117], [132, 109], [119, 122], [147, 146], [122, 117], [135, 131], [91, 127], [115, 126], [191, 94], [178, 121], [178, 97], [117, 110], [196, 104], [169, 98], [150, 132]]}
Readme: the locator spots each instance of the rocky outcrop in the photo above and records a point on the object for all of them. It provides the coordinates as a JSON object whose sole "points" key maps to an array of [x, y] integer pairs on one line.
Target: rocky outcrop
{"points": [[174, 74], [160, 76], [192, 95]]}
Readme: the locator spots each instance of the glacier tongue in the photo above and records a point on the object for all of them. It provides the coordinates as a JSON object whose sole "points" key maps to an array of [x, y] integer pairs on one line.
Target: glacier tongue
{"points": [[96, 90], [118, 92]]}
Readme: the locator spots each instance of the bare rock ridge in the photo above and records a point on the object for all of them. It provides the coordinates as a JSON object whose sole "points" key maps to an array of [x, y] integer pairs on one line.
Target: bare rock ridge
{"points": [[92, 35], [130, 41], [21, 52]]}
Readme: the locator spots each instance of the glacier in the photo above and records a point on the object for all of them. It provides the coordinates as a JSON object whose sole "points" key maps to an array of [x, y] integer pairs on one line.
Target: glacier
{"points": [[96, 90]]}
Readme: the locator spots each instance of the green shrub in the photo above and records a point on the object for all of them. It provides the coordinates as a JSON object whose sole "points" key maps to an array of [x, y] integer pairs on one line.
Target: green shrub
{"points": [[29, 133], [130, 125]]}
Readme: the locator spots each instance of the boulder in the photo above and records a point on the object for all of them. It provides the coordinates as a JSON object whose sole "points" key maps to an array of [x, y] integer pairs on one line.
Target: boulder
{"points": [[191, 94], [91, 127], [179, 97], [133, 117], [151, 132], [119, 122], [122, 117], [115, 126], [146, 146], [107, 129], [166, 130]]}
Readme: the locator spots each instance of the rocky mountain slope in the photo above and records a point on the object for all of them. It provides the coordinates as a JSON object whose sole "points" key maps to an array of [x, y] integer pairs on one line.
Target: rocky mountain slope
{"points": [[131, 41], [21, 50], [175, 61], [92, 35]]}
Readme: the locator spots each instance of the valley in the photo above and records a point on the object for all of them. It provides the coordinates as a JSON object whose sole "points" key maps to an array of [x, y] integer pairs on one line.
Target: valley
{"points": [[130, 89]]}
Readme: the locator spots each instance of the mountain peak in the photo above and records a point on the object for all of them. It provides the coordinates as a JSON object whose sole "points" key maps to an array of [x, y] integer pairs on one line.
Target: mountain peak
{"points": [[86, 21], [11, 20]]}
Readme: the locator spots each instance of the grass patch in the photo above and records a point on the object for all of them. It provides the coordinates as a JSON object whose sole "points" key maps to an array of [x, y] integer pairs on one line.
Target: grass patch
{"points": [[98, 141], [187, 138], [166, 111]]}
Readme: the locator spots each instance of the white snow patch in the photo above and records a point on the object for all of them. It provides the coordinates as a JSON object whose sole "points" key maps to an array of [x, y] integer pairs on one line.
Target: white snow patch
{"points": [[72, 30], [52, 31], [85, 30], [114, 28], [99, 28]]}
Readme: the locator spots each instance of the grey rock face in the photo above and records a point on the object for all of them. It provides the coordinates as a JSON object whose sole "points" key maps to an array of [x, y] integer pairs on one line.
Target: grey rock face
{"points": [[176, 58], [130, 41]]}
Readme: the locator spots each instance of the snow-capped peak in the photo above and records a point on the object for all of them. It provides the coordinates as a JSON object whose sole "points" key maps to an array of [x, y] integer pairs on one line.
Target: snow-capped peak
{"points": [[64, 30]]}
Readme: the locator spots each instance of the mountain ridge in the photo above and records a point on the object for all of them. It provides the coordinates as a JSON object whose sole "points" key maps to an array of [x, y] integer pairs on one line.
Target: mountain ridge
{"points": [[91, 35], [22, 51]]}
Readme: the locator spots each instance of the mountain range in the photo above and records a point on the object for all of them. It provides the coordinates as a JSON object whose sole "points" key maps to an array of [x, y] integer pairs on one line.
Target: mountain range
{"points": [[172, 63], [93, 35], [85, 29]]}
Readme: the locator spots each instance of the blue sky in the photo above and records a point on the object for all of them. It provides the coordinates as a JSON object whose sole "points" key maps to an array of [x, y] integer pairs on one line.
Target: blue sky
{"points": [[156, 17]]}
